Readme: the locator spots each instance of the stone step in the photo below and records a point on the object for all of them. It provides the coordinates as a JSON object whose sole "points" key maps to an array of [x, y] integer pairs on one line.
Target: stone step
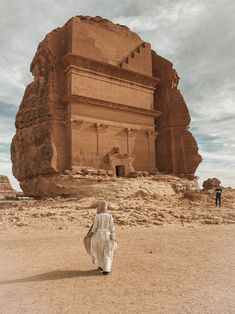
{"points": [[133, 54]]}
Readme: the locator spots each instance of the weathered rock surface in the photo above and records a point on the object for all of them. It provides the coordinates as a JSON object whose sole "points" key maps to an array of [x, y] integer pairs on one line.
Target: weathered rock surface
{"points": [[97, 92], [132, 202], [211, 183], [5, 187], [176, 148], [90, 185]]}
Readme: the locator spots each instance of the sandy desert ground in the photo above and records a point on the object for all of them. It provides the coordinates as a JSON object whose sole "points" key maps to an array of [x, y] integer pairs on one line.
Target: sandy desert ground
{"points": [[176, 255]]}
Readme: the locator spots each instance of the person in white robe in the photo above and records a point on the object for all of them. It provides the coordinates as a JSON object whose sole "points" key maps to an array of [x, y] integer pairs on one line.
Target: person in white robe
{"points": [[100, 241]]}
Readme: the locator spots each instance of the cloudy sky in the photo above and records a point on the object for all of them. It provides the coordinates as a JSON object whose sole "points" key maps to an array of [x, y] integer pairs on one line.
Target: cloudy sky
{"points": [[198, 36]]}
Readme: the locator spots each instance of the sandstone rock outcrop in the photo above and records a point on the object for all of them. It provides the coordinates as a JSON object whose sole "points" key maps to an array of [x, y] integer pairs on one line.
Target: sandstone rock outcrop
{"points": [[95, 102], [211, 183], [176, 148], [5, 187]]}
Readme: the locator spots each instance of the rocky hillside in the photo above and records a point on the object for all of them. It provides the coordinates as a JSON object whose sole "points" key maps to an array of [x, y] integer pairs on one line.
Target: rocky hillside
{"points": [[132, 202]]}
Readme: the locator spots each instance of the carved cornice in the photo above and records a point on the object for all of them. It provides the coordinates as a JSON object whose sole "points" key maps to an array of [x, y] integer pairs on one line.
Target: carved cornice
{"points": [[131, 132], [151, 134], [77, 124], [101, 128], [70, 60], [119, 156], [82, 99]]}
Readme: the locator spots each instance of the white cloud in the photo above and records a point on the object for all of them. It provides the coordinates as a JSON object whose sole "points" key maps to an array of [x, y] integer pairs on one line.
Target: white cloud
{"points": [[7, 131], [160, 17], [215, 169], [4, 158], [218, 157]]}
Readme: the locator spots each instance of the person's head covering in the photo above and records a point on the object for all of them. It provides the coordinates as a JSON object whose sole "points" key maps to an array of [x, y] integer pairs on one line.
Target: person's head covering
{"points": [[102, 207]]}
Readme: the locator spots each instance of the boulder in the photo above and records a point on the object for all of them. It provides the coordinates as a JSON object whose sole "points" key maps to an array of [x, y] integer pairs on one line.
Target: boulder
{"points": [[211, 183], [5, 187]]}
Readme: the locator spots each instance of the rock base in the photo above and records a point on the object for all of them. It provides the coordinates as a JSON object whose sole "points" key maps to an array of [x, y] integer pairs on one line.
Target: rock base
{"points": [[101, 186]]}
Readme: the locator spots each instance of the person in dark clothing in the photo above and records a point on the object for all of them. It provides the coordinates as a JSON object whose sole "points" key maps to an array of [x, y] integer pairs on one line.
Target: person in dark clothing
{"points": [[218, 193]]}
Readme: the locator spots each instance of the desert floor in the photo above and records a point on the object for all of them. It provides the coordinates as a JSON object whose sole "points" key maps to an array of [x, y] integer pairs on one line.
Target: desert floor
{"points": [[157, 269]]}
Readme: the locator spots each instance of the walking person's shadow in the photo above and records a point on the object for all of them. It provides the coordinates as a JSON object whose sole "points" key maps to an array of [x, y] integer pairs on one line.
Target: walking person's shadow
{"points": [[54, 275]]}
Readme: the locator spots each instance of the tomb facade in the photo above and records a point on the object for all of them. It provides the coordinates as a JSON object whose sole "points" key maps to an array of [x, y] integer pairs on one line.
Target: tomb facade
{"points": [[101, 99]]}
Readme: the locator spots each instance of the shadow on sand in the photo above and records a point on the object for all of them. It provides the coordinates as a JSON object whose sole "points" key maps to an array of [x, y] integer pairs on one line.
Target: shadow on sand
{"points": [[54, 275]]}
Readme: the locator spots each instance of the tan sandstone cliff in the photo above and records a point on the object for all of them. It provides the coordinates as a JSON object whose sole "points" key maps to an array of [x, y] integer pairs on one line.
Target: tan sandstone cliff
{"points": [[101, 99]]}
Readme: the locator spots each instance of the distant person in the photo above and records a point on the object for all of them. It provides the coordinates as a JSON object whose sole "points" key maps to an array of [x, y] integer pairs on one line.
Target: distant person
{"points": [[100, 241], [218, 193]]}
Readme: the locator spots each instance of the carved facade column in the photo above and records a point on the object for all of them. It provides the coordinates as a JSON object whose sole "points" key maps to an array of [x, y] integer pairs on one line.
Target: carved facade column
{"points": [[151, 136], [130, 133], [66, 124], [76, 126], [100, 129]]}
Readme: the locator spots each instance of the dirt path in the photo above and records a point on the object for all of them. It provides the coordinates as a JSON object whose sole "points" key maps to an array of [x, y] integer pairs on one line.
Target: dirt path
{"points": [[156, 270]]}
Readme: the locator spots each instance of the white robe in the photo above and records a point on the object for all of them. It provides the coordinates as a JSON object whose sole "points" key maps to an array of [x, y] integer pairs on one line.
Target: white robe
{"points": [[103, 241]]}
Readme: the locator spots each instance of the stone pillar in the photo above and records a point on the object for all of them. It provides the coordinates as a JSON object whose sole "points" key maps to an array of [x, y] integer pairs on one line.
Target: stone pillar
{"points": [[151, 135], [68, 132], [100, 129], [76, 125], [130, 133]]}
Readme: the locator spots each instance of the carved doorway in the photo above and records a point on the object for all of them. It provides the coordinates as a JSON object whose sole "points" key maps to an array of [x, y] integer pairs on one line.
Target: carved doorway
{"points": [[120, 171]]}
